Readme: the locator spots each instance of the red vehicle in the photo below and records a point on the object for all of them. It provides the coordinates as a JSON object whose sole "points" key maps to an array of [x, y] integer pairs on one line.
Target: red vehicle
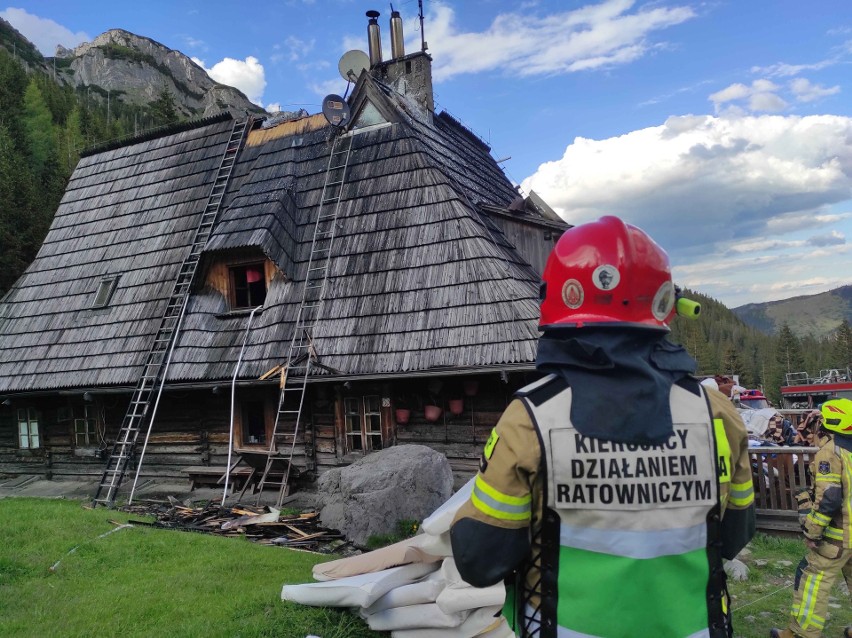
{"points": [[753, 400], [804, 392]]}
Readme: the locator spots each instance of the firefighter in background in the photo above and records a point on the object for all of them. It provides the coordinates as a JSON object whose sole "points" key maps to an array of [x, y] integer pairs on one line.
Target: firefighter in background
{"points": [[613, 487], [827, 525]]}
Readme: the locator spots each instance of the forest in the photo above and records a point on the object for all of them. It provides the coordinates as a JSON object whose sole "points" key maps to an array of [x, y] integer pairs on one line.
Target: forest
{"points": [[44, 127]]}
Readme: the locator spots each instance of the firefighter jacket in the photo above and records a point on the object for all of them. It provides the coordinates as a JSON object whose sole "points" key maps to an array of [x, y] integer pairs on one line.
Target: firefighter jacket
{"points": [[830, 518], [590, 523]]}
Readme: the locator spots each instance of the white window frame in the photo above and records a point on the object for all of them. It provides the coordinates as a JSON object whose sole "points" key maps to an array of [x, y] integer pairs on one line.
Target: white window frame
{"points": [[28, 434]]}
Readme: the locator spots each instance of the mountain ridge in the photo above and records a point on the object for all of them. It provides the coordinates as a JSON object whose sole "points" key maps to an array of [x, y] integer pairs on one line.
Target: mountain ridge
{"points": [[134, 69], [816, 315]]}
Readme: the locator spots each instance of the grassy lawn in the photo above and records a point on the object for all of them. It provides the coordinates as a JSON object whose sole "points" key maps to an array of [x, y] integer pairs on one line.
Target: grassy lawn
{"points": [[150, 582], [764, 600], [147, 582]]}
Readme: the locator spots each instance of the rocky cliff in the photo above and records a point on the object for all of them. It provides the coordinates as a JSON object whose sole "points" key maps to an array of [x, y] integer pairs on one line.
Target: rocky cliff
{"points": [[136, 70]]}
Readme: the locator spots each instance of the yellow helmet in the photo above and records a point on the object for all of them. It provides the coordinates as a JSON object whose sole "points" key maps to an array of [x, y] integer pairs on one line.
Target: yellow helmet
{"points": [[837, 416]]}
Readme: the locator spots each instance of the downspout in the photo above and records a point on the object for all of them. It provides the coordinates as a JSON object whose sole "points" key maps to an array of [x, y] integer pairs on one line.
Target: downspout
{"points": [[233, 403]]}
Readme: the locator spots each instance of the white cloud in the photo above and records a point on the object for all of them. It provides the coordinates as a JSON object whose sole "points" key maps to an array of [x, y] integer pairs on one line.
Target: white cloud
{"points": [[766, 102], [298, 48], [789, 70], [833, 238], [194, 44], [329, 86], [760, 96], [42, 32], [698, 180], [733, 92], [246, 75], [807, 92], [596, 36]]}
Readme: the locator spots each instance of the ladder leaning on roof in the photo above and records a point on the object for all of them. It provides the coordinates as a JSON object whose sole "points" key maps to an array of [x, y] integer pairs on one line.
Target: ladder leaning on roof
{"points": [[294, 374], [156, 363]]}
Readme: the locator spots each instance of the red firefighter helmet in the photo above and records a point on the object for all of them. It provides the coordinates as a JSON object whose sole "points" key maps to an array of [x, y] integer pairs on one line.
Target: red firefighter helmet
{"points": [[607, 273]]}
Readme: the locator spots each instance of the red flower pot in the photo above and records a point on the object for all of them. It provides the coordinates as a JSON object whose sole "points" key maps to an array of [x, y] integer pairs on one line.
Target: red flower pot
{"points": [[403, 415], [456, 406], [432, 413]]}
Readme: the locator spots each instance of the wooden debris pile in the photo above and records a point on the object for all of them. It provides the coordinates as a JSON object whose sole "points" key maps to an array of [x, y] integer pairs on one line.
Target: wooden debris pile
{"points": [[263, 525]]}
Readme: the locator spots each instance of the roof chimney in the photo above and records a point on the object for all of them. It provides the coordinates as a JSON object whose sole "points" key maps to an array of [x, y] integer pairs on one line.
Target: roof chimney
{"points": [[374, 38], [397, 42]]}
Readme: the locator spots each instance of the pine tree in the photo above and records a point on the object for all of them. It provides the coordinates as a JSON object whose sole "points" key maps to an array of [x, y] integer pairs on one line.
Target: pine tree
{"points": [[842, 348], [38, 124], [788, 352], [163, 109], [731, 362], [71, 140]]}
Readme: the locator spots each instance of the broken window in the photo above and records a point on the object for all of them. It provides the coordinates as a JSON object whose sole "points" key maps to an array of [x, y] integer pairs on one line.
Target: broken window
{"points": [[248, 285], [363, 423], [105, 290], [28, 429]]}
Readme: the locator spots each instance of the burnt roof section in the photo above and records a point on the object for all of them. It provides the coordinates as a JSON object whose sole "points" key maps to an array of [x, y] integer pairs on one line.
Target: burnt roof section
{"points": [[421, 278]]}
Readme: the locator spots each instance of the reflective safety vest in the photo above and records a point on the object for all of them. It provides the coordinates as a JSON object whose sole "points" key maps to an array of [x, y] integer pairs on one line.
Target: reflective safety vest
{"points": [[623, 544]]}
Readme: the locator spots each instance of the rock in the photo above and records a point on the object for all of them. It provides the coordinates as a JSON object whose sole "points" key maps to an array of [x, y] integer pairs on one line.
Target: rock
{"points": [[369, 497], [736, 569], [761, 562], [783, 563], [745, 551]]}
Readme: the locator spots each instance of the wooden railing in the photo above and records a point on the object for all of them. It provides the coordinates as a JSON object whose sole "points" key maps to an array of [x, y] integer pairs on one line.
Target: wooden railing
{"points": [[779, 473]]}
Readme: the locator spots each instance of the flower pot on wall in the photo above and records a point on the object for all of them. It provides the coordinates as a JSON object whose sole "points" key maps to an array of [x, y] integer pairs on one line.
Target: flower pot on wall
{"points": [[456, 406], [402, 415], [471, 387], [432, 413]]}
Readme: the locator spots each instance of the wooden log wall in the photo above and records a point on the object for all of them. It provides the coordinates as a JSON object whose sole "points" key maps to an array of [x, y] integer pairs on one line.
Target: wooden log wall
{"points": [[191, 427]]}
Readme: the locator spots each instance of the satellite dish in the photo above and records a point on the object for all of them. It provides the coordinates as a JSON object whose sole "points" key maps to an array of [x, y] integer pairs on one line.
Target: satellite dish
{"points": [[353, 62], [336, 110]]}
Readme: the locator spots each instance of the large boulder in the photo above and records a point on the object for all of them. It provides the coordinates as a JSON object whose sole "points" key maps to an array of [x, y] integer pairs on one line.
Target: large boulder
{"points": [[369, 497]]}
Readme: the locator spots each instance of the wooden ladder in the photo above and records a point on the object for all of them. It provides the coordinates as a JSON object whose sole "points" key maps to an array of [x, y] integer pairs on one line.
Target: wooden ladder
{"points": [[294, 374], [156, 362]]}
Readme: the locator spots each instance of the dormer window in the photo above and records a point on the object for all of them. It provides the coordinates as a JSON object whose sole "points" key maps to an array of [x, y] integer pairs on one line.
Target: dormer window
{"points": [[105, 290], [248, 285]]}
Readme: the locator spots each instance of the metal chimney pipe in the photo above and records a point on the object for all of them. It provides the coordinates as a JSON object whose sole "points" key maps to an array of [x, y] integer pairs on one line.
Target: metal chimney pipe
{"points": [[397, 42], [374, 38]]}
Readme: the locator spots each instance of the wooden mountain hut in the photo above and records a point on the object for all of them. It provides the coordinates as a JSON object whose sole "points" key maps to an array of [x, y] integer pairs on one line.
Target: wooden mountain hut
{"points": [[186, 260]]}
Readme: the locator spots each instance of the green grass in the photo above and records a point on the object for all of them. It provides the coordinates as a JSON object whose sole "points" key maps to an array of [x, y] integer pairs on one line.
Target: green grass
{"points": [[764, 600], [151, 582], [147, 582]]}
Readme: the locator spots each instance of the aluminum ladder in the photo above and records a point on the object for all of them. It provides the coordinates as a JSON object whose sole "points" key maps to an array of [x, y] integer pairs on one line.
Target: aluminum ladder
{"points": [[137, 414], [294, 374]]}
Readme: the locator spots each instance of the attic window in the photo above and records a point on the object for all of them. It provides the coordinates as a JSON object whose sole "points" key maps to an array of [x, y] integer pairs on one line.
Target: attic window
{"points": [[248, 285], [105, 290], [368, 116]]}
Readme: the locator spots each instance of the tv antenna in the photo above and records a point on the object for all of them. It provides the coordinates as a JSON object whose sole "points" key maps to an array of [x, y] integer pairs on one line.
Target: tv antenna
{"points": [[336, 110], [352, 63]]}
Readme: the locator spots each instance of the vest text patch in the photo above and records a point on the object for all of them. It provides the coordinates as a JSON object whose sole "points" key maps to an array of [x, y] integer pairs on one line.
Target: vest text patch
{"points": [[592, 473]]}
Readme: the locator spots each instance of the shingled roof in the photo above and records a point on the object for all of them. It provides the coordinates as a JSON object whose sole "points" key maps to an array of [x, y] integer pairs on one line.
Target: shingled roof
{"points": [[420, 279]]}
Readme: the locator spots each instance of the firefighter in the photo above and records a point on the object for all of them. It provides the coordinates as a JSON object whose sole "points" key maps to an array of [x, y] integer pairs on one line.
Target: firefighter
{"points": [[827, 525], [610, 490]]}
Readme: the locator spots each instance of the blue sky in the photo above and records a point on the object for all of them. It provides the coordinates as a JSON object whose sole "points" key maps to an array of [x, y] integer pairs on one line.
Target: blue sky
{"points": [[721, 127]]}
